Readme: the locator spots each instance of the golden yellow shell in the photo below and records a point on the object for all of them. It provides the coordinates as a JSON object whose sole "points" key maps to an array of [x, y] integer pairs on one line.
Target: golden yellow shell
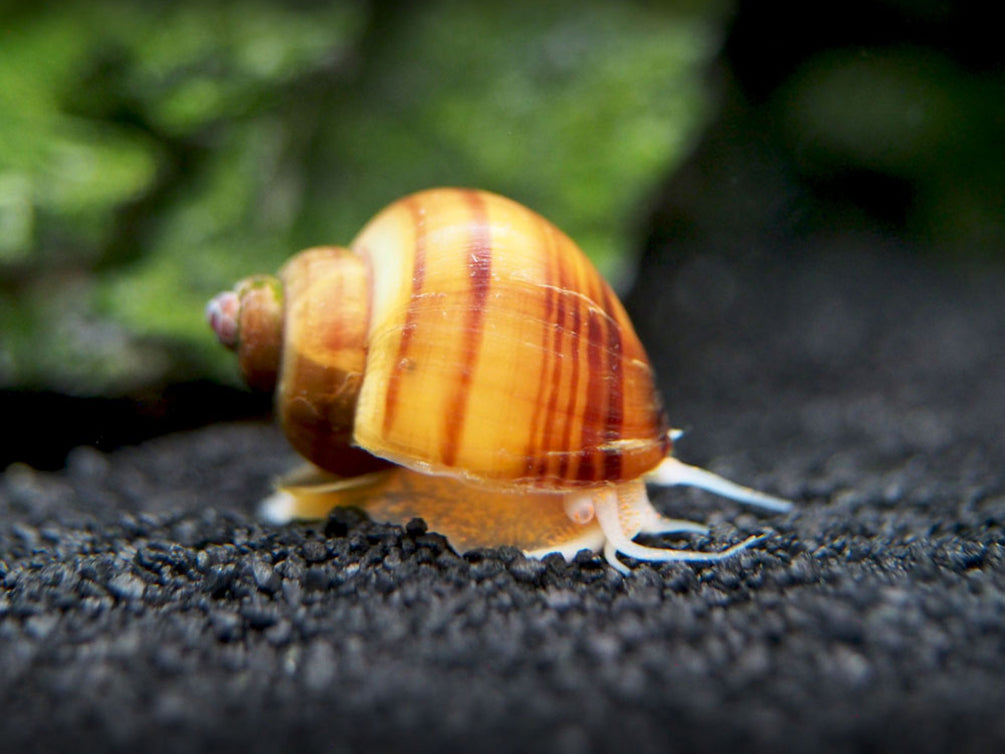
{"points": [[463, 361], [494, 351]]}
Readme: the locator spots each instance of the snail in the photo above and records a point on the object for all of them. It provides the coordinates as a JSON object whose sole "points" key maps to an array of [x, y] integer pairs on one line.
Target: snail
{"points": [[463, 362]]}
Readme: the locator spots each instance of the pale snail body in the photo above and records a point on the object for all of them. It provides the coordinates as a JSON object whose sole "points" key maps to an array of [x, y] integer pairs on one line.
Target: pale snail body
{"points": [[469, 342]]}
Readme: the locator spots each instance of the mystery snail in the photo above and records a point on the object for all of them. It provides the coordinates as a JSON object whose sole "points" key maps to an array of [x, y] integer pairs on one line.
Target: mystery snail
{"points": [[463, 362]]}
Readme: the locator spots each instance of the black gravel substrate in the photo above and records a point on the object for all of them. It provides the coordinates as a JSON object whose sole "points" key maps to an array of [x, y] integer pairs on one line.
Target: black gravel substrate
{"points": [[144, 608]]}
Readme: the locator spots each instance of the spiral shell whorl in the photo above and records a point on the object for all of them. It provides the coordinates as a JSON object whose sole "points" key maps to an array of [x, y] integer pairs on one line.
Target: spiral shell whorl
{"points": [[496, 351], [249, 320], [327, 320]]}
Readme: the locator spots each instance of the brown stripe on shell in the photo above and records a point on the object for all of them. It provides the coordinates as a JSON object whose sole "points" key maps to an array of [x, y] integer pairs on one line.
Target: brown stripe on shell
{"points": [[411, 314], [480, 276], [615, 389], [557, 324], [593, 411], [536, 461], [563, 466]]}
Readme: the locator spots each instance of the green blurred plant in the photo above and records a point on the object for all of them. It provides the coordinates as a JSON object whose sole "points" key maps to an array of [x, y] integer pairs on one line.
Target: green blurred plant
{"points": [[151, 154]]}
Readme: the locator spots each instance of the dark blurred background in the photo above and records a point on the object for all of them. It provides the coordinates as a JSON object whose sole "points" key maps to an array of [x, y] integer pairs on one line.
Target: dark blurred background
{"points": [[152, 154]]}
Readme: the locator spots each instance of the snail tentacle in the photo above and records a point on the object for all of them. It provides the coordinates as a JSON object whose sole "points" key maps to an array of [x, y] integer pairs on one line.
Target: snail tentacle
{"points": [[609, 515], [652, 522], [672, 472]]}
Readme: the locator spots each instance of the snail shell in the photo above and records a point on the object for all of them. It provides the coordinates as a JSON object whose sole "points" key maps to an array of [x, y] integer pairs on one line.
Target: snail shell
{"points": [[463, 361]]}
